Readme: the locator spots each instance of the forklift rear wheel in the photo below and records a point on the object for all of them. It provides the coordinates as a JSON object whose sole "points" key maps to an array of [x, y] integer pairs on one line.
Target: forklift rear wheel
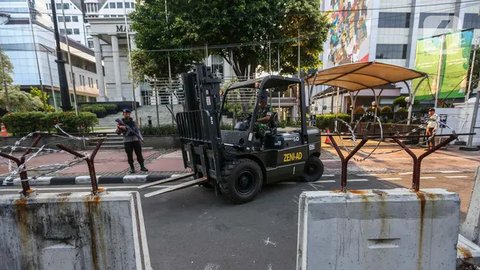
{"points": [[242, 180], [313, 169]]}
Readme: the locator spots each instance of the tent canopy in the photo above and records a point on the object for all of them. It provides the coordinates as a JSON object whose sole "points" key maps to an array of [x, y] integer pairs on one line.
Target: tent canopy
{"points": [[271, 81], [363, 75]]}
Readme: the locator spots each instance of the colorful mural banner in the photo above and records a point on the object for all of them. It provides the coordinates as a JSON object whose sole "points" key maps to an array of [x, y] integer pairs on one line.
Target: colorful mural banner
{"points": [[350, 31], [446, 60]]}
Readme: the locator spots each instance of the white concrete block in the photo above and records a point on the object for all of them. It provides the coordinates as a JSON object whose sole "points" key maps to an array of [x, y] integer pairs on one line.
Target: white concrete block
{"points": [[471, 226], [48, 230], [378, 229]]}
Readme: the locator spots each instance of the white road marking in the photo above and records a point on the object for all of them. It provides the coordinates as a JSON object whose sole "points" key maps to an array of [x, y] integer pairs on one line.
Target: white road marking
{"points": [[328, 175], [324, 181], [450, 171], [79, 188], [456, 176], [357, 180], [212, 266], [390, 179], [405, 173], [368, 174], [428, 177], [268, 242]]}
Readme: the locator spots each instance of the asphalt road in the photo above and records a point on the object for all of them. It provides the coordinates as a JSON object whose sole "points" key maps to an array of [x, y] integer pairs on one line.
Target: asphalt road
{"points": [[194, 229]]}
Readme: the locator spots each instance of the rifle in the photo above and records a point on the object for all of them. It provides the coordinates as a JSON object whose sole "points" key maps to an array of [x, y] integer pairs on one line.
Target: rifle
{"points": [[129, 129]]}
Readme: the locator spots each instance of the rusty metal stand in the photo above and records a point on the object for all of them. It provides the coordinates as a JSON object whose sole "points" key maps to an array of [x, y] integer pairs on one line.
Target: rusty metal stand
{"points": [[417, 161], [344, 160], [90, 163], [26, 190]]}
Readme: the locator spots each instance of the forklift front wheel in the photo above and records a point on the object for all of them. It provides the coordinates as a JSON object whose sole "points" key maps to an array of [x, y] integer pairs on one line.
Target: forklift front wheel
{"points": [[313, 169], [242, 180]]}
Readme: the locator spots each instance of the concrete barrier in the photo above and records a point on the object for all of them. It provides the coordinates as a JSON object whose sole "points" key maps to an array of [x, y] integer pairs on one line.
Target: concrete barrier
{"points": [[378, 229], [471, 226], [73, 231]]}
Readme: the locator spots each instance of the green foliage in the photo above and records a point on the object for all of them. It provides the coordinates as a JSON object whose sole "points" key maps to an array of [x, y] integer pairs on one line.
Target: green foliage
{"points": [[400, 101], [97, 109], [25, 122], [207, 23], [401, 114], [6, 69], [225, 126], [162, 130], [43, 96], [289, 123], [20, 101], [386, 109], [325, 121]]}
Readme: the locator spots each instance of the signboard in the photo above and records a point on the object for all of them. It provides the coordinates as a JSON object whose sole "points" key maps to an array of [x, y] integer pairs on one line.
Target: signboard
{"points": [[458, 47], [445, 59], [443, 120], [348, 35]]}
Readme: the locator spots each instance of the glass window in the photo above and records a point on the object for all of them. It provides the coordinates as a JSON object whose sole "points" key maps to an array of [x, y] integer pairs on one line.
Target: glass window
{"points": [[62, 31], [119, 5], [106, 16], [133, 5], [394, 20], [47, 6], [471, 20], [74, 18], [76, 31], [106, 6], [391, 51], [90, 44], [66, 6], [69, 31], [436, 20], [68, 19], [127, 4], [112, 4], [60, 18], [113, 16]]}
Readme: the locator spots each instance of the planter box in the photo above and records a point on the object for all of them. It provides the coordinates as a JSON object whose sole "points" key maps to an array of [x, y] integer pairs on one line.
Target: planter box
{"points": [[158, 142]]}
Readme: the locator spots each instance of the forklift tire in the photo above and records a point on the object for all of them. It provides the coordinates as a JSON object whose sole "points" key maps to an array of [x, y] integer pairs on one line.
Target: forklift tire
{"points": [[313, 169], [241, 180]]}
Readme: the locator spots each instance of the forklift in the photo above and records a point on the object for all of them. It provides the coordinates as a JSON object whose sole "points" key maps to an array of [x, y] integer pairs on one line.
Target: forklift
{"points": [[237, 163]]}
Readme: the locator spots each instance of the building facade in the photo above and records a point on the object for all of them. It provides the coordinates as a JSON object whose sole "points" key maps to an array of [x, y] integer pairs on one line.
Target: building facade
{"points": [[387, 31], [27, 38]]}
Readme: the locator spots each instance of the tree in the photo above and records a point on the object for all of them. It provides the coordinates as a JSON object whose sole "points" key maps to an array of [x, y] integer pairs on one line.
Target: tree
{"points": [[251, 27], [20, 101], [43, 97], [16, 101]]}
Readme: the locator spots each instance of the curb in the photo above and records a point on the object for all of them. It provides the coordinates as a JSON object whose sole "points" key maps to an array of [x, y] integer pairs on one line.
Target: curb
{"points": [[85, 179]]}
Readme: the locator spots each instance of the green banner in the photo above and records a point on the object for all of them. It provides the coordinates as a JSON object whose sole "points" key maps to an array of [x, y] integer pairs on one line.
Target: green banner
{"points": [[458, 47], [445, 59], [428, 57]]}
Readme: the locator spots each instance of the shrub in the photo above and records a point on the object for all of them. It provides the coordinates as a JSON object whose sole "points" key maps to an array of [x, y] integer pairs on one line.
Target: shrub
{"points": [[325, 121], [97, 109], [24, 123], [401, 114], [400, 101], [386, 113], [111, 108], [162, 130], [225, 126]]}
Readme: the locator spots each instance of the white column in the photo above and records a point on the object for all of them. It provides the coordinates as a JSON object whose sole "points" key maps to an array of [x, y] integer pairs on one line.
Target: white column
{"points": [[116, 68], [98, 64]]}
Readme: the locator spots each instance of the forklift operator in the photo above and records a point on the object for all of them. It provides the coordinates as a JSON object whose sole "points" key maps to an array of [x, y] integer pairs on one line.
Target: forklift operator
{"points": [[264, 113]]}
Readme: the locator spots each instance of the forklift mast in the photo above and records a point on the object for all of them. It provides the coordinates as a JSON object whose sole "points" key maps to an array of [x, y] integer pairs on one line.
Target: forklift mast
{"points": [[198, 125]]}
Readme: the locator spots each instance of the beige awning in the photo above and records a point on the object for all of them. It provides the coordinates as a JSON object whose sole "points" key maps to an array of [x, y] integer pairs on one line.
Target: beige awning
{"points": [[364, 75]]}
